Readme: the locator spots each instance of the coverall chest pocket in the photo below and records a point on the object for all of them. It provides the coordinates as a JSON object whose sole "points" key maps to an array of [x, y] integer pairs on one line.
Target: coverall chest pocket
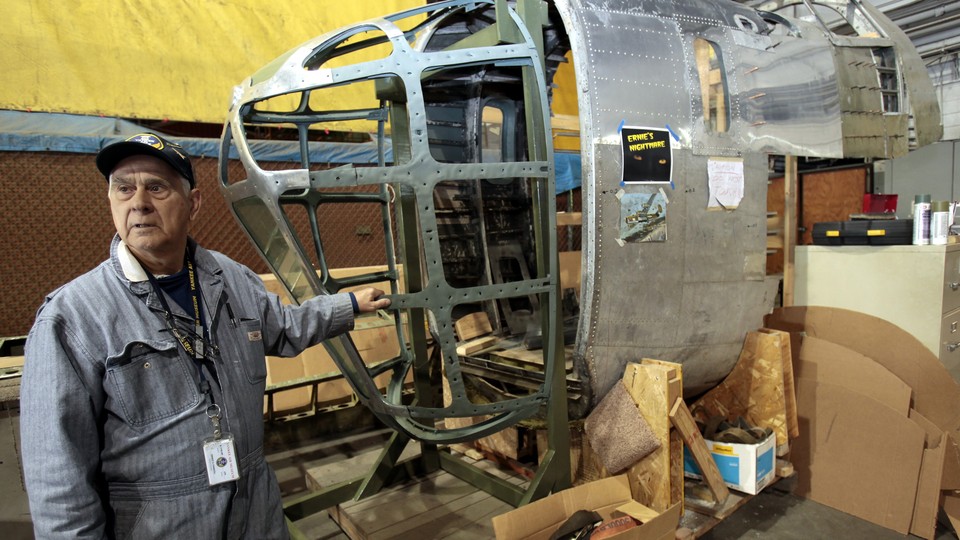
{"points": [[250, 342], [151, 382]]}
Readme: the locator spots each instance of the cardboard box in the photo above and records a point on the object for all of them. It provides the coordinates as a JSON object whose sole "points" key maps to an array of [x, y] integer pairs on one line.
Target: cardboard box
{"points": [[609, 497], [744, 467], [374, 344]]}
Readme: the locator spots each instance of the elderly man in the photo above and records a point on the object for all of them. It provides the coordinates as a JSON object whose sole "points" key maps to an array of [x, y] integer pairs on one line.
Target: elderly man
{"points": [[142, 394]]}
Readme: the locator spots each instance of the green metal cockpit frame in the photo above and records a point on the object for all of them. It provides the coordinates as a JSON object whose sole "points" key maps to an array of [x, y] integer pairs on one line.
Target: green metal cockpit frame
{"points": [[405, 190]]}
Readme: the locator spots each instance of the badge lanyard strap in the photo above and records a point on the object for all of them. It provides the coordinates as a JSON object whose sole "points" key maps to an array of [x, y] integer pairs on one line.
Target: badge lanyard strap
{"points": [[195, 349]]}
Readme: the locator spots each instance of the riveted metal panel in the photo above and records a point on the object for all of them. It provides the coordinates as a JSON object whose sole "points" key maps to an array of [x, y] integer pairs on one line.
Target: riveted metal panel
{"points": [[692, 298], [790, 102]]}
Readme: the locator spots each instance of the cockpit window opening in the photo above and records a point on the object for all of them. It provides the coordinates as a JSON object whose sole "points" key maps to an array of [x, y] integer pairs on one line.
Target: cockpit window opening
{"points": [[713, 86]]}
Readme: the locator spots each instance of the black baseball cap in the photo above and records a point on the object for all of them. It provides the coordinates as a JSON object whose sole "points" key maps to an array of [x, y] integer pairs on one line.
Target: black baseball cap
{"points": [[149, 144]]}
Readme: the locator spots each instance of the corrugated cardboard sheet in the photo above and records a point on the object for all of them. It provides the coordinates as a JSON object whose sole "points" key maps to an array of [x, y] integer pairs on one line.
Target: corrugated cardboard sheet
{"points": [[880, 418]]}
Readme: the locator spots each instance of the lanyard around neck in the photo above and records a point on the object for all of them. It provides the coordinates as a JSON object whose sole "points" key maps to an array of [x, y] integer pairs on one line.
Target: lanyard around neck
{"points": [[194, 348]]}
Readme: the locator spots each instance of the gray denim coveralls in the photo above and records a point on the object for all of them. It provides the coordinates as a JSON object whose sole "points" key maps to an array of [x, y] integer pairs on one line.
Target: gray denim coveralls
{"points": [[112, 418]]}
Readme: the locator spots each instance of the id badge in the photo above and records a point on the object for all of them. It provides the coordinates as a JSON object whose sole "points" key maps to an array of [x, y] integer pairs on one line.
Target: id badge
{"points": [[220, 456]]}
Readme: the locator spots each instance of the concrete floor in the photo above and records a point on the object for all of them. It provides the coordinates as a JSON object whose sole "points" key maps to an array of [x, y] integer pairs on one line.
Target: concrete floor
{"points": [[777, 515], [773, 514]]}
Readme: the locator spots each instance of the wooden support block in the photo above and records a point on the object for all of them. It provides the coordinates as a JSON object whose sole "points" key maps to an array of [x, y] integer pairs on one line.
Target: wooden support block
{"points": [[11, 362], [774, 221], [784, 468], [674, 392], [685, 424], [569, 218], [754, 389], [651, 384], [478, 344], [472, 325], [570, 273], [789, 384]]}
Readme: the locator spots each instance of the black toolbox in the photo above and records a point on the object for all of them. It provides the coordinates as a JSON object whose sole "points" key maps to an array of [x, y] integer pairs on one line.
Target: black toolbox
{"points": [[872, 232]]}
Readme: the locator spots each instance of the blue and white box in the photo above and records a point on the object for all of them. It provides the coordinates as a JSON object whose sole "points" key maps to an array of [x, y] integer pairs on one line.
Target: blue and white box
{"points": [[744, 467]]}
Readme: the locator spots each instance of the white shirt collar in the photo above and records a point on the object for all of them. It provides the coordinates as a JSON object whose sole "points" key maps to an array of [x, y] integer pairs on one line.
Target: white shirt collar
{"points": [[132, 270]]}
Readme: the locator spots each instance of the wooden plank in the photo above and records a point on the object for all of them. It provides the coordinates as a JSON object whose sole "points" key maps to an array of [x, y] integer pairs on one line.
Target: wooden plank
{"points": [[568, 122], [11, 362], [569, 218], [519, 356], [790, 184], [473, 325], [649, 386], [685, 424], [477, 345]]}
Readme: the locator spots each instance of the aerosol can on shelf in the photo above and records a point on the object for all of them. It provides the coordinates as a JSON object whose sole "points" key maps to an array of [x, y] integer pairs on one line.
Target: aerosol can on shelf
{"points": [[921, 220]]}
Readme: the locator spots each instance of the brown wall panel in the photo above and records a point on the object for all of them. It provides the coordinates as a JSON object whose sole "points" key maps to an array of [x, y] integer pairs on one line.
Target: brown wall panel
{"points": [[56, 225], [830, 196], [824, 196]]}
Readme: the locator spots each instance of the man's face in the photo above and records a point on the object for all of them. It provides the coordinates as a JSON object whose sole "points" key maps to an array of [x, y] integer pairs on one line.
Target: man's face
{"points": [[151, 207]]}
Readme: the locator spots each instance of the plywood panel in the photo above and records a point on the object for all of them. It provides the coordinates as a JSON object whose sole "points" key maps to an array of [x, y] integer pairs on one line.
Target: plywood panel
{"points": [[754, 389], [655, 386], [830, 196]]}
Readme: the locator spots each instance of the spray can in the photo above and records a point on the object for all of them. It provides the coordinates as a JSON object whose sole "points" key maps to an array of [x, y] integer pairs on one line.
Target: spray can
{"points": [[939, 222], [921, 220]]}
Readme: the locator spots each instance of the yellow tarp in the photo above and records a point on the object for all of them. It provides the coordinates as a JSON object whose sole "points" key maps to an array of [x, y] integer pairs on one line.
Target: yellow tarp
{"points": [[176, 60]]}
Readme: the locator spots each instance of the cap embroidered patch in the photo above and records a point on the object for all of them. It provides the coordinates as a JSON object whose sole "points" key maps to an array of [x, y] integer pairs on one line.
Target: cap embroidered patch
{"points": [[147, 138]]}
